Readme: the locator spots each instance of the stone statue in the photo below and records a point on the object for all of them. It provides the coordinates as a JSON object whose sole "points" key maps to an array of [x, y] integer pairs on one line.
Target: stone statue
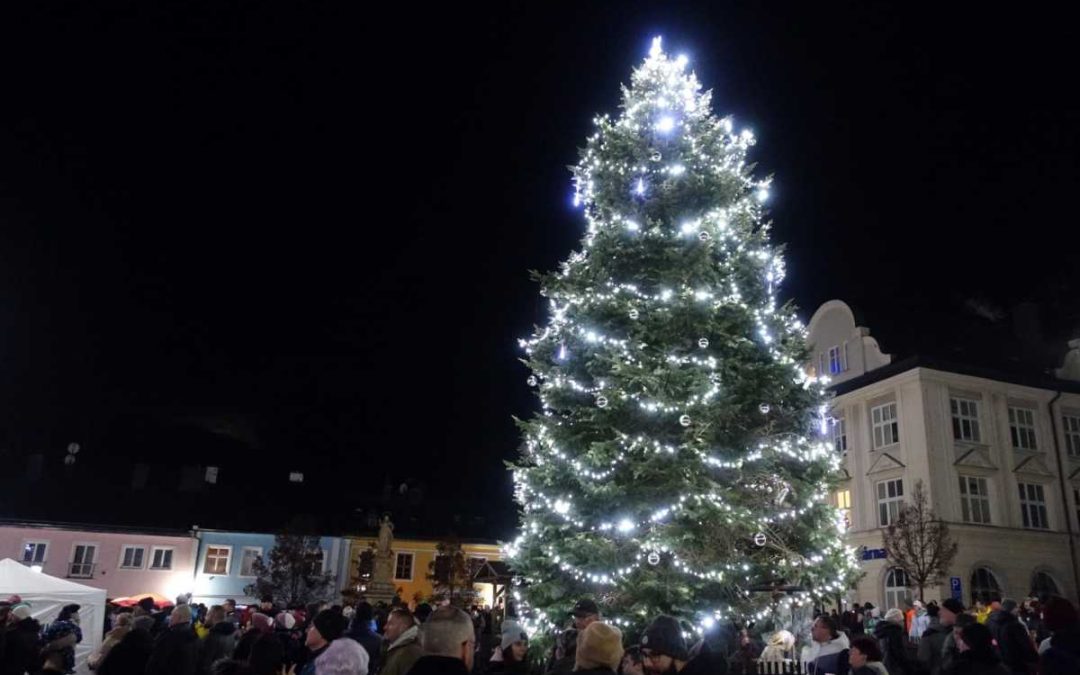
{"points": [[381, 587], [386, 536]]}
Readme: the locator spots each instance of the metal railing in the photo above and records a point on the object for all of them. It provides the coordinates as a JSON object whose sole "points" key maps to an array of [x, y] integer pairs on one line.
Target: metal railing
{"points": [[81, 570]]}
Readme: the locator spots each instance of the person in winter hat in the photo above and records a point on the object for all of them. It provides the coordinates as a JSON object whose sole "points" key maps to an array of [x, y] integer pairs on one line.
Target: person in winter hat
{"points": [[599, 649], [663, 648], [360, 630], [402, 635], [176, 650], [343, 657], [932, 642], [328, 626], [891, 638], [919, 621], [220, 640], [64, 633], [864, 657], [513, 649], [1013, 643], [22, 641], [1062, 653]]}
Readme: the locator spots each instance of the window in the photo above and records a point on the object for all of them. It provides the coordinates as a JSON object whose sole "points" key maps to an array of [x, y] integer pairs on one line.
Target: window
{"points": [[33, 552], [403, 567], [161, 559], [211, 475], [843, 502], [1071, 423], [217, 560], [247, 560], [131, 557], [974, 500], [890, 496], [1022, 428], [1033, 506], [839, 435], [836, 360], [896, 588], [984, 585], [965, 419], [886, 427], [296, 477], [1043, 586], [1076, 501], [82, 561]]}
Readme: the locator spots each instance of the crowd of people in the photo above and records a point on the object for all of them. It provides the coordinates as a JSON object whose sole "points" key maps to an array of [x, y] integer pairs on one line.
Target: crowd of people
{"points": [[1000, 637], [997, 637]]}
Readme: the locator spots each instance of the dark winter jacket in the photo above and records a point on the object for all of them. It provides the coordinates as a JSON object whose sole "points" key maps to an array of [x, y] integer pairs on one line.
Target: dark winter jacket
{"points": [[709, 663], [1063, 656], [219, 643], [970, 663], [890, 637], [1013, 641], [932, 645], [438, 665], [596, 671], [829, 657], [504, 668], [22, 645], [309, 666], [369, 640], [129, 656], [176, 652]]}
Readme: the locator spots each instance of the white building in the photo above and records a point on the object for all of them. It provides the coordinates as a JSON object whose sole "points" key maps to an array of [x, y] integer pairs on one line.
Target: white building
{"points": [[998, 455]]}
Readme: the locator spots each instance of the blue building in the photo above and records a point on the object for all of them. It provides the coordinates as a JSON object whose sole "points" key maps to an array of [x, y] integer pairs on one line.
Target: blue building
{"points": [[224, 560]]}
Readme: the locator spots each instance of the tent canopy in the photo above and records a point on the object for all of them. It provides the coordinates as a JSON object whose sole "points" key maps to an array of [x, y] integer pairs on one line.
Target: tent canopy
{"points": [[160, 601], [47, 596]]}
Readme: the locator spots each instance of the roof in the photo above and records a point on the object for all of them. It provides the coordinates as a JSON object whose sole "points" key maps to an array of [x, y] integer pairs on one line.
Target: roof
{"points": [[1019, 377]]}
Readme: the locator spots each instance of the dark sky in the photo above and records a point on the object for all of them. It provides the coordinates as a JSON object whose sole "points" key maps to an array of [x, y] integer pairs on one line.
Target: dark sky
{"points": [[323, 215]]}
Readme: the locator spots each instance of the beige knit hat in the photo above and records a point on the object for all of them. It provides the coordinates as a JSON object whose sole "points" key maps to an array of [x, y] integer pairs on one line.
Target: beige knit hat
{"points": [[599, 646]]}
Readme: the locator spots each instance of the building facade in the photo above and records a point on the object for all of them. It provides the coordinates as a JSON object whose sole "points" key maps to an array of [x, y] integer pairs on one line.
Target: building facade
{"points": [[412, 561], [122, 563], [998, 456], [223, 567]]}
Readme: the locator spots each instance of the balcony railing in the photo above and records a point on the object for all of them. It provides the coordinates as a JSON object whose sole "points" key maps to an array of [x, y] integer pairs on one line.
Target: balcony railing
{"points": [[81, 570]]}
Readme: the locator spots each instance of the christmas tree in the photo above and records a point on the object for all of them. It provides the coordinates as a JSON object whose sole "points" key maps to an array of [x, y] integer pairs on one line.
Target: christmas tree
{"points": [[677, 464]]}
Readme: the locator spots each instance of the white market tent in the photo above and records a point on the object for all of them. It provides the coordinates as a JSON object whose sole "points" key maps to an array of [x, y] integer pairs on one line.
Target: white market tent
{"points": [[47, 596]]}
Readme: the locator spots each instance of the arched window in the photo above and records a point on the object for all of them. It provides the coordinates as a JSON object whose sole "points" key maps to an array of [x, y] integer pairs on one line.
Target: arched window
{"points": [[1043, 586], [984, 585], [896, 589]]}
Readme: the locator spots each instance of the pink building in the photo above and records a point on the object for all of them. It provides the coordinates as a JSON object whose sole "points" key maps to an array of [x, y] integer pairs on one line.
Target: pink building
{"points": [[122, 562]]}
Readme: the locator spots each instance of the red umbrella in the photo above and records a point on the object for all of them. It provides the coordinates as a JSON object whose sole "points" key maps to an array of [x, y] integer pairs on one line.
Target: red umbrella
{"points": [[160, 601]]}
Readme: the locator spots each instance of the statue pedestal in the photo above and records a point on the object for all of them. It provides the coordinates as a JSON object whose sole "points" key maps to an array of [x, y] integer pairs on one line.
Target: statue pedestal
{"points": [[381, 587], [380, 591]]}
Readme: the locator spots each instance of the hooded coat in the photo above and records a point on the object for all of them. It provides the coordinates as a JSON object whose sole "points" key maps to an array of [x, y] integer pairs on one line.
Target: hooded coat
{"points": [[890, 637], [829, 657]]}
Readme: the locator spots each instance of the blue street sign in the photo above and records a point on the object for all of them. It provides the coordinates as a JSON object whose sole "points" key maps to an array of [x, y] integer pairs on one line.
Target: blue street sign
{"points": [[874, 554], [955, 587]]}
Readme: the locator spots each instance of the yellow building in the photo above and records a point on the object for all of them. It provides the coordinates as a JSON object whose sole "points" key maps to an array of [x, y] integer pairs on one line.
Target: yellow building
{"points": [[412, 561]]}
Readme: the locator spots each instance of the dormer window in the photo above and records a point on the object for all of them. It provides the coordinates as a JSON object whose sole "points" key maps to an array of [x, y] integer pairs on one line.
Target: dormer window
{"points": [[834, 361]]}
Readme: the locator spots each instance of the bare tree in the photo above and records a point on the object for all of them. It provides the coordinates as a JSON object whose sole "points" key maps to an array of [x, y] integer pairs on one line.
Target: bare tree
{"points": [[451, 574], [918, 542]]}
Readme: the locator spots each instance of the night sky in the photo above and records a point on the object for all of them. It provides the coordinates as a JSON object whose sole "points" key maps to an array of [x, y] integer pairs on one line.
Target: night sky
{"points": [[323, 216]]}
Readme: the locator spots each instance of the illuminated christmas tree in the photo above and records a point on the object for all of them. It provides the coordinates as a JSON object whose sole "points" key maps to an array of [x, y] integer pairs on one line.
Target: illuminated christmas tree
{"points": [[677, 464]]}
